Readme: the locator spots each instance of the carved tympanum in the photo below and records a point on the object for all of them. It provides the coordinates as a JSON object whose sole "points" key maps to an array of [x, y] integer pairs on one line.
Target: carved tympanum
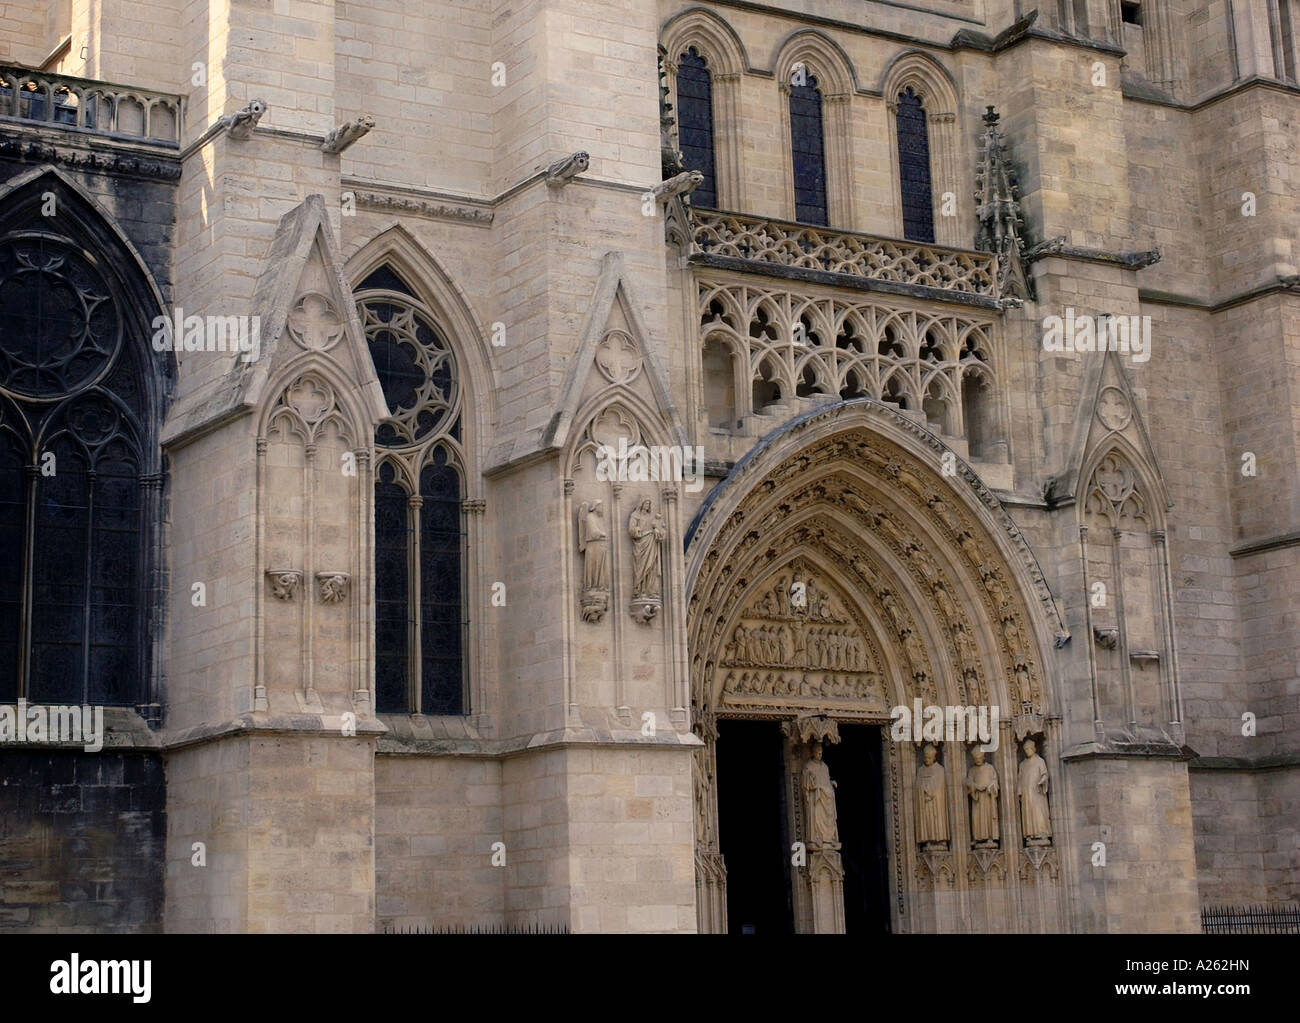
{"points": [[793, 641]]}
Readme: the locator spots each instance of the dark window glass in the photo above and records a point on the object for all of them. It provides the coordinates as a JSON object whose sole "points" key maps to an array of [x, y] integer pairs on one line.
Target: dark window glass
{"points": [[385, 278], [12, 543], [441, 606], [914, 168], [420, 622], [695, 124], [392, 592], [78, 566], [808, 151]]}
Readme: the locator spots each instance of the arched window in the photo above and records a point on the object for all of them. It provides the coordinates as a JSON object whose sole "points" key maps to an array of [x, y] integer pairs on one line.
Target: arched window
{"points": [[421, 618], [78, 464], [914, 168], [695, 123], [808, 150]]}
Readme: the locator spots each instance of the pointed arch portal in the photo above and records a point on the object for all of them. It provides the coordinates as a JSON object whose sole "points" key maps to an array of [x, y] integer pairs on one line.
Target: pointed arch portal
{"points": [[835, 574]]}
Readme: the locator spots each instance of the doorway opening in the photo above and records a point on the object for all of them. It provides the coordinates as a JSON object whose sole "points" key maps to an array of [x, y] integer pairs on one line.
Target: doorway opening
{"points": [[856, 765], [752, 827], [755, 826]]}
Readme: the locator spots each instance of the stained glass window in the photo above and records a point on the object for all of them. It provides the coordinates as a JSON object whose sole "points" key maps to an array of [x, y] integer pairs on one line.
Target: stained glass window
{"points": [[914, 168], [72, 468], [695, 124], [420, 609], [808, 151]]}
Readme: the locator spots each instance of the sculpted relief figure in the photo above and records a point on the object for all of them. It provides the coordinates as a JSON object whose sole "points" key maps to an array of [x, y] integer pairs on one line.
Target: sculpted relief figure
{"points": [[648, 531], [594, 549], [931, 801], [1035, 820], [819, 799], [982, 788]]}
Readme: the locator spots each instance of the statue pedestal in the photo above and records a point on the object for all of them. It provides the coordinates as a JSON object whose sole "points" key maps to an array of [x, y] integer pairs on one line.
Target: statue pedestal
{"points": [[826, 879]]}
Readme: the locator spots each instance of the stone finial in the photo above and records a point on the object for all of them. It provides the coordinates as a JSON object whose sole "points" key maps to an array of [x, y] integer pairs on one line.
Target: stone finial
{"points": [[670, 156], [998, 208]]}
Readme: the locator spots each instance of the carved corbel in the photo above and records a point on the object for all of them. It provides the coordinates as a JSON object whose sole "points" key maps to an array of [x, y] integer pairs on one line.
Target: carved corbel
{"points": [[333, 586], [347, 133], [284, 582], [1107, 639]]}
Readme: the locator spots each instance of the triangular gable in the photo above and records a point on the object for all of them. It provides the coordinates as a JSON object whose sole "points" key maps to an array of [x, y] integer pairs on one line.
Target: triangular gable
{"points": [[303, 261], [613, 307], [1108, 410]]}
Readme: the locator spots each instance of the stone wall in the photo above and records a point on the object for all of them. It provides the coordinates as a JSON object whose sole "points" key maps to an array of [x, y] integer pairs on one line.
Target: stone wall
{"points": [[82, 841]]}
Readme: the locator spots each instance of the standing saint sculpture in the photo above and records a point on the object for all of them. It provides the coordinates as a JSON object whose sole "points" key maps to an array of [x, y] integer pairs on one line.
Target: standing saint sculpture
{"points": [[648, 532], [1035, 819], [594, 549], [931, 801], [982, 788], [819, 800]]}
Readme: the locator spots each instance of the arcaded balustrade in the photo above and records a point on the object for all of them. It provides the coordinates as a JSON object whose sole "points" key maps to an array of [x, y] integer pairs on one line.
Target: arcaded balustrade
{"points": [[64, 101], [776, 242]]}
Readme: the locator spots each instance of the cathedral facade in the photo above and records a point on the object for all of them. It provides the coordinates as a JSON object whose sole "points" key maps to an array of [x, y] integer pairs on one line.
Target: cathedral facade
{"points": [[768, 467]]}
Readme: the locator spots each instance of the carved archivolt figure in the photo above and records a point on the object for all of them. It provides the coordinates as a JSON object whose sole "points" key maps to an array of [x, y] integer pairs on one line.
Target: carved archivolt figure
{"points": [[931, 800], [819, 799], [594, 549], [1035, 819], [648, 532], [982, 788]]}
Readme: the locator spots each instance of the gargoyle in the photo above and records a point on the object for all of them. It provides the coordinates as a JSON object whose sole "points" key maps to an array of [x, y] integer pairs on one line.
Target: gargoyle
{"points": [[347, 133], [561, 172], [240, 125], [681, 184]]}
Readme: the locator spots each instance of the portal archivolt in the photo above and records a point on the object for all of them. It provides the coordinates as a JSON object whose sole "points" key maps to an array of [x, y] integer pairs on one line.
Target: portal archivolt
{"points": [[839, 573]]}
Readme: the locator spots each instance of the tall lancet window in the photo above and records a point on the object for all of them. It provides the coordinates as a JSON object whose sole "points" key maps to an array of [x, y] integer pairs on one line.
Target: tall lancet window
{"points": [[914, 168], [808, 150], [79, 468], [421, 619], [695, 124]]}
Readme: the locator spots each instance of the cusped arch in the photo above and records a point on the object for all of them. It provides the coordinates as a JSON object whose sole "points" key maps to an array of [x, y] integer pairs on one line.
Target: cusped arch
{"points": [[621, 401], [348, 408], [823, 57], [714, 40], [451, 312], [83, 220], [929, 79], [1149, 487], [985, 553]]}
